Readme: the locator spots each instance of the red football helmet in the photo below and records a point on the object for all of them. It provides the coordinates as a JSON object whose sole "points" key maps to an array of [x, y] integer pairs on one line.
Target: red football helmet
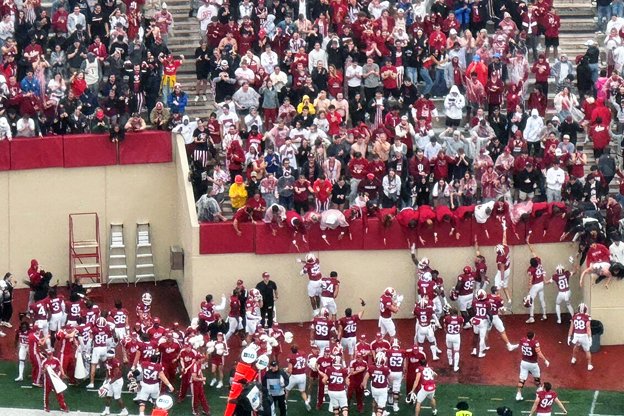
{"points": [[467, 270], [453, 295], [527, 301]]}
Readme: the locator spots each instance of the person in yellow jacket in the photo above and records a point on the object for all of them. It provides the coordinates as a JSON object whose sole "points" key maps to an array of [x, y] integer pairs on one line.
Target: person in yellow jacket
{"points": [[305, 102], [462, 408], [238, 193]]}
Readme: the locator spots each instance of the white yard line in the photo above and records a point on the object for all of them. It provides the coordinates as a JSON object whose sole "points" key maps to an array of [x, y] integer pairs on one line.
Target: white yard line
{"points": [[593, 405], [33, 412]]}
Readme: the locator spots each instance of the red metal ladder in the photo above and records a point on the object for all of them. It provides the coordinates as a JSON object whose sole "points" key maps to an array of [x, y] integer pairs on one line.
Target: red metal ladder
{"points": [[84, 249]]}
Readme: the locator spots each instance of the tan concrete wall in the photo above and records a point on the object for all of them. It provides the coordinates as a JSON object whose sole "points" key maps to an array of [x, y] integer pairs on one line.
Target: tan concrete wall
{"points": [[35, 205], [607, 307]]}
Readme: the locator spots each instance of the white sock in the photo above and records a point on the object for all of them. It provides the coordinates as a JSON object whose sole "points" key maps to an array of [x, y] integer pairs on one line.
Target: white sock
{"points": [[532, 309], [449, 354], [21, 369], [558, 310], [570, 309], [433, 351], [456, 358]]}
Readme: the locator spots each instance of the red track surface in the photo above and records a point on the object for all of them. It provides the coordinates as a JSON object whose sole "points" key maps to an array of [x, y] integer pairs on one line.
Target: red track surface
{"points": [[500, 367]]}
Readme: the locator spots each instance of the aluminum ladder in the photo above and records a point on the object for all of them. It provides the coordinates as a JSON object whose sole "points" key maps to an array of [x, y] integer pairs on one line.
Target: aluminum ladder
{"points": [[144, 259], [117, 267]]}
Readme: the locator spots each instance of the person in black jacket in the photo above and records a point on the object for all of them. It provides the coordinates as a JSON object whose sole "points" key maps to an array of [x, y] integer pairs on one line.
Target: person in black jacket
{"points": [[340, 193], [275, 381], [268, 290], [584, 77], [571, 128], [6, 300], [528, 182]]}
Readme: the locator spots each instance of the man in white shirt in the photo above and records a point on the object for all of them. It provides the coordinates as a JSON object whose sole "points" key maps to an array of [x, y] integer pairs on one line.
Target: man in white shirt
{"points": [[26, 127], [243, 73], [74, 19], [617, 251], [269, 59], [316, 55], [354, 78], [279, 78], [377, 7], [554, 180], [227, 118], [204, 15]]}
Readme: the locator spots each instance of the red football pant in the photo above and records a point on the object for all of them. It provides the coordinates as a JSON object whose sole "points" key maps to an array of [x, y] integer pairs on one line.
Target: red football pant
{"points": [[35, 360], [185, 383], [68, 361], [47, 388], [320, 394], [359, 395], [198, 397]]}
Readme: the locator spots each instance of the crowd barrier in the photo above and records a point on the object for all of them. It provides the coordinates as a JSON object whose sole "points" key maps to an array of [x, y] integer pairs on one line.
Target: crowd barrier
{"points": [[84, 150], [221, 238]]}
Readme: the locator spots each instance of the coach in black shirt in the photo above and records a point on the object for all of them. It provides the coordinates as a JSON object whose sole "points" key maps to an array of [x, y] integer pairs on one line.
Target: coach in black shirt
{"points": [[268, 290]]}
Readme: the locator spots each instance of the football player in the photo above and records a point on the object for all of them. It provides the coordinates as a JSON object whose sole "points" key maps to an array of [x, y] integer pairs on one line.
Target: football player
{"points": [[357, 371], [336, 378], [396, 363], [480, 323], [144, 307], [379, 374], [503, 265], [234, 316], [536, 275], [120, 318], [56, 306], [101, 334], [531, 351], [497, 305], [389, 304], [580, 334], [297, 366], [311, 267], [452, 325], [422, 264], [542, 406], [252, 313], [481, 279], [562, 279], [152, 374], [207, 310], [425, 321], [330, 286], [464, 289], [321, 330], [425, 385], [114, 380], [347, 329], [21, 342]]}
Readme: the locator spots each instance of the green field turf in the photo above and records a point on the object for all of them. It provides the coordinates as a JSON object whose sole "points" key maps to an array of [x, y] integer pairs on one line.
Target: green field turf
{"points": [[483, 400]]}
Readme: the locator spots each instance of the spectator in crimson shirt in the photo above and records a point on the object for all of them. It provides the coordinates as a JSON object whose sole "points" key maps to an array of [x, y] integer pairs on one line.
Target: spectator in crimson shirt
{"points": [[322, 189], [541, 69], [334, 119], [389, 78], [358, 166]]}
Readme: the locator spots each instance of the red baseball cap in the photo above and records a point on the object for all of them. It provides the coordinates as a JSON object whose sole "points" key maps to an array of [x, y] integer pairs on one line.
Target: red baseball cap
{"points": [[371, 176], [239, 282], [265, 274]]}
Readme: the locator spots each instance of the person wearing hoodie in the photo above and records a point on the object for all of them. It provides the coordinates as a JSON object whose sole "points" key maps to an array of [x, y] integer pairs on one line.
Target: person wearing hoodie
{"points": [[531, 133], [186, 129], [561, 68], [454, 104]]}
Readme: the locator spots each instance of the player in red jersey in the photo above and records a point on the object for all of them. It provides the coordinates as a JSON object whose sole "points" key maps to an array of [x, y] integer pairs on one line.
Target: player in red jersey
{"points": [[323, 364], [481, 279], [68, 338], [144, 308], [156, 332], [464, 288], [235, 323], [198, 397], [321, 330], [337, 380], [426, 286], [480, 323], [52, 364], [580, 334], [37, 342], [425, 386], [413, 357], [152, 374], [311, 267], [439, 298], [74, 307], [425, 322], [561, 278], [119, 315], [542, 406], [422, 264], [379, 345], [21, 344], [347, 330], [363, 347], [130, 346], [187, 357], [357, 371], [297, 366], [330, 286], [207, 309], [497, 305], [379, 375], [40, 314], [101, 335], [56, 307], [503, 265], [396, 363], [114, 380], [452, 325], [389, 304], [169, 351], [536, 276], [531, 351], [90, 313], [218, 359]]}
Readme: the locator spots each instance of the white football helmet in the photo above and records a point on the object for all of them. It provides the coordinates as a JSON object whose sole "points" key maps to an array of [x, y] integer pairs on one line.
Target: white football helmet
{"points": [[426, 277], [310, 258], [582, 308], [312, 363], [146, 299], [395, 344], [481, 294], [380, 359], [255, 294], [390, 292], [424, 262], [324, 313], [337, 350], [422, 303], [500, 249], [559, 269], [288, 337], [103, 391], [337, 360], [101, 322]]}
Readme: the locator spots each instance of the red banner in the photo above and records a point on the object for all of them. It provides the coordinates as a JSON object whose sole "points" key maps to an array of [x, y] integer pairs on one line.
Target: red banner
{"points": [[146, 147], [89, 150], [37, 153], [281, 242], [221, 238]]}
